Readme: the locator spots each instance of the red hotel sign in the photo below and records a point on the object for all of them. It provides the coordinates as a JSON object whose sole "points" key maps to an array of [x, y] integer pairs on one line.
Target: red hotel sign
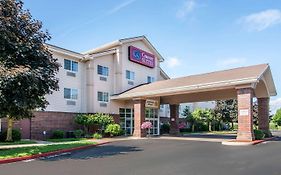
{"points": [[141, 57]]}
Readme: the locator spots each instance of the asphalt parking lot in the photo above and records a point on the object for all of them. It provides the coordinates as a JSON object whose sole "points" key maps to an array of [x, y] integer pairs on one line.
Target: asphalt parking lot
{"points": [[158, 156]]}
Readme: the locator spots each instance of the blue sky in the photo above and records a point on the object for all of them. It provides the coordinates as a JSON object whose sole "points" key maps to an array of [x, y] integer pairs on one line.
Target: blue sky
{"points": [[194, 36]]}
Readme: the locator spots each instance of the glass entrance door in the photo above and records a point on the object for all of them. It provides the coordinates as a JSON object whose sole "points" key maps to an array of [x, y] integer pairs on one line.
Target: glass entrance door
{"points": [[152, 116], [127, 120]]}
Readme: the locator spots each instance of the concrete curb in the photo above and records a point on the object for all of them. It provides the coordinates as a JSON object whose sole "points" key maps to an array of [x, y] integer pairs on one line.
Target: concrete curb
{"points": [[241, 143], [11, 160]]}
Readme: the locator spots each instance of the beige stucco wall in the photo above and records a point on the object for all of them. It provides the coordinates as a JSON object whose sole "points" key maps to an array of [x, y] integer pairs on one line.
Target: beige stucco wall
{"points": [[56, 100], [141, 72], [88, 82]]}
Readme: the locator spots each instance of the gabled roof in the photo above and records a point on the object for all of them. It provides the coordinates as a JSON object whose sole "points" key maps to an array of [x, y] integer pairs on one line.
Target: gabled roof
{"points": [[214, 80], [64, 51], [164, 74], [122, 41]]}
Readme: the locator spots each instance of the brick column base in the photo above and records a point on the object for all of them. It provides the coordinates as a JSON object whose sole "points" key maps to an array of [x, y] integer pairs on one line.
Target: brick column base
{"points": [[139, 118], [174, 119], [245, 114], [263, 115]]}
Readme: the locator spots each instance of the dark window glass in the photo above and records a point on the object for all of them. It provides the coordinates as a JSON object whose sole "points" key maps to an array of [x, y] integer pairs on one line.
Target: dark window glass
{"points": [[67, 64], [67, 93], [74, 66]]}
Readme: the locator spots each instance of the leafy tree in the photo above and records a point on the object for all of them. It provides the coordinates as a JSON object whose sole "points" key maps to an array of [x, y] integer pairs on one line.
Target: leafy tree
{"points": [[90, 120], [198, 115], [226, 111], [189, 117], [277, 118], [84, 120], [27, 68], [255, 113], [209, 117]]}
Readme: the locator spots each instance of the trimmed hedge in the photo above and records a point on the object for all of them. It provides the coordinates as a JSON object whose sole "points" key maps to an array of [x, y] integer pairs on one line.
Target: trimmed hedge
{"points": [[259, 135], [58, 134]]}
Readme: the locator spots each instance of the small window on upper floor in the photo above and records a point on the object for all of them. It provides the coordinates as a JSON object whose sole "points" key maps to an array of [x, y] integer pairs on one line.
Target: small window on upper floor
{"points": [[130, 75], [70, 93], [102, 70], [103, 96], [70, 65], [150, 79]]}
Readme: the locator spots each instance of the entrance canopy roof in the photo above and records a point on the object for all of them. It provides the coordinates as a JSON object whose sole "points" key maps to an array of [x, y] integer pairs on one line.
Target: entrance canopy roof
{"points": [[204, 87]]}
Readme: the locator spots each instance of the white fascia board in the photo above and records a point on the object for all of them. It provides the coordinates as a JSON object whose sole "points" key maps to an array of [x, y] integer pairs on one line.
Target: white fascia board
{"points": [[189, 88], [79, 57]]}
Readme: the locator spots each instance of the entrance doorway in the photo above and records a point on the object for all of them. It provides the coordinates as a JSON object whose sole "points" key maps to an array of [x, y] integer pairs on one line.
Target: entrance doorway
{"points": [[152, 116], [127, 120]]}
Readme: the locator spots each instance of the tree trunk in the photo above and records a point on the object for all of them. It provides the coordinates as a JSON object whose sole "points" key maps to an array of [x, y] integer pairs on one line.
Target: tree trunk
{"points": [[210, 126], [232, 125], [9, 137], [192, 128]]}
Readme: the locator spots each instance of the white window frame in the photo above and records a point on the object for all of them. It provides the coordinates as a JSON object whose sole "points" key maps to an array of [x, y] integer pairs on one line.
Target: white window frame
{"points": [[152, 79], [73, 93], [104, 96], [104, 70], [71, 65], [131, 75]]}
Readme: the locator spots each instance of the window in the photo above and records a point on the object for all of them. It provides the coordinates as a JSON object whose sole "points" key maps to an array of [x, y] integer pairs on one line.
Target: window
{"points": [[70, 93], [103, 96], [71, 65], [150, 79], [102, 70], [130, 75]]}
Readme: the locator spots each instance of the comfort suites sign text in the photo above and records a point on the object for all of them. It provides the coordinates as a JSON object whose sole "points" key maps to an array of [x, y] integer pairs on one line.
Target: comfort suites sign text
{"points": [[141, 57]]}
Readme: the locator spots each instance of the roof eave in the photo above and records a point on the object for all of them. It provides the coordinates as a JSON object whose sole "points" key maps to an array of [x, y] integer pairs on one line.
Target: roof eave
{"points": [[187, 89]]}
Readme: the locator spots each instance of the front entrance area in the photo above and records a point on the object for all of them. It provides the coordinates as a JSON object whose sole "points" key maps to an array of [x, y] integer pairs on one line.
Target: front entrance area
{"points": [[152, 116], [243, 84], [127, 120]]}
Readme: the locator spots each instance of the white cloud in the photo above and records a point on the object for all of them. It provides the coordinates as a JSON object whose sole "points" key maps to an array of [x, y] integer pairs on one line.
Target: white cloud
{"points": [[187, 8], [275, 104], [120, 6], [173, 62], [228, 62], [261, 20]]}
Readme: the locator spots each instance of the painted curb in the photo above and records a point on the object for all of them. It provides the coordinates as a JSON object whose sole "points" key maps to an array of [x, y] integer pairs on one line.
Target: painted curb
{"points": [[11, 160], [237, 143]]}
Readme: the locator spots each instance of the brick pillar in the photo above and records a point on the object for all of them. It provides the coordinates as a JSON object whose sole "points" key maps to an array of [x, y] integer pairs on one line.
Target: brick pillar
{"points": [[245, 114], [263, 114], [139, 117], [174, 119]]}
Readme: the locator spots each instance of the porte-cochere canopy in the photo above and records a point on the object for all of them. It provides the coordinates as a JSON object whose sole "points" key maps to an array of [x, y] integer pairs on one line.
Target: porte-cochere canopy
{"points": [[242, 83], [208, 86]]}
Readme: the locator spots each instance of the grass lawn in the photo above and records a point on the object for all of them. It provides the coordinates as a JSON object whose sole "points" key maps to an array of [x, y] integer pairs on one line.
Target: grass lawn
{"points": [[66, 139], [27, 151], [18, 142]]}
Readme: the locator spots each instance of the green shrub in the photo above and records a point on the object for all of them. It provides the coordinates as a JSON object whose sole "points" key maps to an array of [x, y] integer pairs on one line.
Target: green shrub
{"points": [[259, 135], [97, 136], [113, 129], [185, 129], [78, 133], [201, 126], [57, 134], [267, 134], [16, 135], [165, 128]]}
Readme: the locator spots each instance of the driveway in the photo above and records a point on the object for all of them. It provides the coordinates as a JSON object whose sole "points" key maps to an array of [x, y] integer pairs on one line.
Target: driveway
{"points": [[158, 156]]}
